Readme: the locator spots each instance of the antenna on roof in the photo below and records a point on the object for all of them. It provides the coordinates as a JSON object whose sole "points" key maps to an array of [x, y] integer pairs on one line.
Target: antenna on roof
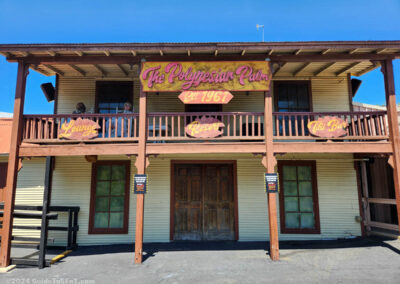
{"points": [[258, 27]]}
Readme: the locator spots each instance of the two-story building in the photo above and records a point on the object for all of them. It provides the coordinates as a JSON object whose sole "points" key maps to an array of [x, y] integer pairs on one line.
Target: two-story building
{"points": [[205, 122]]}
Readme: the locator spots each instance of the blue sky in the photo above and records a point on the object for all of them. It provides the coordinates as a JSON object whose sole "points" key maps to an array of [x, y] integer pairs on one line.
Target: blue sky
{"points": [[191, 21]]}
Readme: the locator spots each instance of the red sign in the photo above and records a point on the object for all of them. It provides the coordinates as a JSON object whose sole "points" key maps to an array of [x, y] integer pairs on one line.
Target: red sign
{"points": [[205, 97], [328, 127], [79, 129], [205, 127]]}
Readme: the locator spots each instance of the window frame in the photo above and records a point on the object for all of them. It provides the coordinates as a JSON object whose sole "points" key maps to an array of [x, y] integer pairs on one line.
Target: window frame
{"points": [[124, 229], [316, 229], [99, 83], [293, 82]]}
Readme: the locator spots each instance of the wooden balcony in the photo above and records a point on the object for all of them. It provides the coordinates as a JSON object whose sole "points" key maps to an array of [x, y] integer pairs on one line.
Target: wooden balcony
{"points": [[233, 127]]}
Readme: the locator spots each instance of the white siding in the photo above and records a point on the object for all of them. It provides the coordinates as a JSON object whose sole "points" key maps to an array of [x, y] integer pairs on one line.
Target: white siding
{"points": [[337, 195], [337, 190], [30, 187], [327, 95]]}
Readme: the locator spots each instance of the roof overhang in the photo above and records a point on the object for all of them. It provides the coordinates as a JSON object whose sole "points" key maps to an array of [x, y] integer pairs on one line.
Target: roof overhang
{"points": [[291, 59]]}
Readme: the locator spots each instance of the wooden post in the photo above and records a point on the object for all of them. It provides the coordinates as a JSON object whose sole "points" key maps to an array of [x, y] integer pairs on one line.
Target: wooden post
{"points": [[366, 205], [141, 169], [270, 166], [13, 160], [45, 210], [393, 121]]}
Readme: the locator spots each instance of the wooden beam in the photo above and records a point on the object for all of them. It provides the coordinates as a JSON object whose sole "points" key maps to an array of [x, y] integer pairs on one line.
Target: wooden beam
{"points": [[102, 71], [65, 150], [134, 53], [322, 69], [270, 168], [301, 68], [54, 69], [188, 52], [297, 52], [107, 52], [281, 65], [353, 50], [123, 70], [243, 52], [330, 57], [368, 69], [6, 54], [216, 52], [350, 92], [347, 68], [125, 59], [12, 170], [364, 182], [34, 150], [41, 71], [77, 69], [394, 132], [161, 53], [24, 53], [141, 164], [381, 50], [51, 53], [325, 51], [79, 53], [270, 52]]}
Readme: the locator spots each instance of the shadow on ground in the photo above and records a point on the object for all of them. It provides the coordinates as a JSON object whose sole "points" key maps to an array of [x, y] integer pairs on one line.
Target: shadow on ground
{"points": [[150, 249]]}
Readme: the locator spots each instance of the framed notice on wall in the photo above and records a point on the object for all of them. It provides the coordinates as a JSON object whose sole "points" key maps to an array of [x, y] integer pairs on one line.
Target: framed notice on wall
{"points": [[140, 184], [271, 183]]}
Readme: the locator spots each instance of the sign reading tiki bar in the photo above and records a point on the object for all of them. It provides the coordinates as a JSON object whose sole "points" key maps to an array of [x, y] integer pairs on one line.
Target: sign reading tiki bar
{"points": [[328, 127], [205, 97], [271, 183], [205, 75], [79, 129], [205, 127], [140, 184]]}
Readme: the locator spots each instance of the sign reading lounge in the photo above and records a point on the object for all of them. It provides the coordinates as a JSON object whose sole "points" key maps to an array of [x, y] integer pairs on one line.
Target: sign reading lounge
{"points": [[205, 75]]}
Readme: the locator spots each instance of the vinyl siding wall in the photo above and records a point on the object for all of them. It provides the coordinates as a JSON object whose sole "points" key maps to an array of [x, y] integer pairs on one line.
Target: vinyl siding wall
{"points": [[337, 190], [327, 95]]}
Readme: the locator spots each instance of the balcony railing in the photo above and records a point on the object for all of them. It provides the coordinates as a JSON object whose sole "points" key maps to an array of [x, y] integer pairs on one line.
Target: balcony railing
{"points": [[235, 125], [361, 125], [230, 126], [112, 127]]}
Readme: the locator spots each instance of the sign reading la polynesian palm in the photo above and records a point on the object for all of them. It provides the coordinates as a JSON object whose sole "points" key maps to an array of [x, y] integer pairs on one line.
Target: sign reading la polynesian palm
{"points": [[328, 127], [79, 129], [205, 127], [205, 76]]}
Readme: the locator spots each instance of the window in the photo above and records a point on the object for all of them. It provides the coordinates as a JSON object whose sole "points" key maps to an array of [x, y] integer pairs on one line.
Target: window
{"points": [[109, 203], [298, 197], [292, 96], [112, 95]]}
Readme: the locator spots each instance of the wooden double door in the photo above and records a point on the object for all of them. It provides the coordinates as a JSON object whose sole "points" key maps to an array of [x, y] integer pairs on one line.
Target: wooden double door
{"points": [[204, 201]]}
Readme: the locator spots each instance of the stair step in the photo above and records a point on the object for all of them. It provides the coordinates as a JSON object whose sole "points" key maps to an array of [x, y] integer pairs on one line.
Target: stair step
{"points": [[28, 262], [26, 215], [31, 239], [25, 245]]}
